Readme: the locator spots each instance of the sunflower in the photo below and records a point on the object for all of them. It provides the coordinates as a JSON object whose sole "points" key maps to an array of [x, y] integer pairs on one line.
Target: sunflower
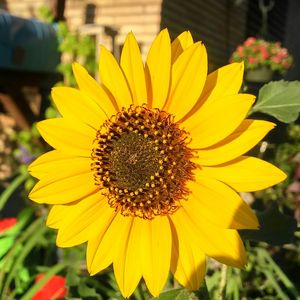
{"points": [[147, 164]]}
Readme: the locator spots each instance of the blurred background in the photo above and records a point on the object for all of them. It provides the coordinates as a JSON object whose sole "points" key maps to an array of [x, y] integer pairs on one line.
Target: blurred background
{"points": [[39, 40], [29, 46]]}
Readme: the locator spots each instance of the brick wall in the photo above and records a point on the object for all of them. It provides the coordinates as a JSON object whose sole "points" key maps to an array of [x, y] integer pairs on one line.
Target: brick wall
{"points": [[24, 8], [140, 16]]}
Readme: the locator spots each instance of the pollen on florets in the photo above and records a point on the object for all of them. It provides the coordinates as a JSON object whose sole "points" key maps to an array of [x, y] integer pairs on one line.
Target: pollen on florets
{"points": [[142, 160]]}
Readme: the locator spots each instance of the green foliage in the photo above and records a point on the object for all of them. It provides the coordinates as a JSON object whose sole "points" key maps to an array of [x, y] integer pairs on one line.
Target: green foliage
{"points": [[263, 278], [75, 47], [85, 291], [14, 184], [263, 266], [178, 294], [280, 99], [5, 244], [45, 14]]}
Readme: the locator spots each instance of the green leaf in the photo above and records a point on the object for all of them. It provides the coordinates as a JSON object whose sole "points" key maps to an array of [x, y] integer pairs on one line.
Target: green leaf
{"points": [[178, 294], [51, 113], [85, 291], [15, 183], [280, 99], [72, 278], [30, 242], [23, 274], [275, 228], [5, 244]]}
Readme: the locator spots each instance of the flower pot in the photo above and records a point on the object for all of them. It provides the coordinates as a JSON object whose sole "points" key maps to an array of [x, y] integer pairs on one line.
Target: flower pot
{"points": [[261, 74]]}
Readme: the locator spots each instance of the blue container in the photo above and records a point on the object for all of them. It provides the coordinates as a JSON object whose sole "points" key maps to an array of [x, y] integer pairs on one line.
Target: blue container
{"points": [[27, 45]]}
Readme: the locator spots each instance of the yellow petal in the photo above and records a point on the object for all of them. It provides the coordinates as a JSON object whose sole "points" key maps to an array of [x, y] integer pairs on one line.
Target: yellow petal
{"points": [[55, 164], [77, 106], [209, 195], [188, 77], [132, 65], [218, 119], [127, 264], [105, 246], [64, 191], [82, 220], [188, 262], [70, 137], [157, 243], [90, 86], [246, 174], [182, 42], [45, 159], [158, 69], [223, 245], [225, 81], [113, 78], [245, 137], [56, 216]]}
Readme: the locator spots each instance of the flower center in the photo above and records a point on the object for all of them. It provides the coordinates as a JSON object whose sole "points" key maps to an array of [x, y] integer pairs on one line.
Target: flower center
{"points": [[142, 160]]}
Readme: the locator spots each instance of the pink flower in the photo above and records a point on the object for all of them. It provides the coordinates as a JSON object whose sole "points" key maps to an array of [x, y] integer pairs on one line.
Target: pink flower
{"points": [[7, 223], [249, 41], [276, 59], [262, 48], [54, 288], [252, 59], [283, 53], [265, 55], [240, 50], [258, 52]]}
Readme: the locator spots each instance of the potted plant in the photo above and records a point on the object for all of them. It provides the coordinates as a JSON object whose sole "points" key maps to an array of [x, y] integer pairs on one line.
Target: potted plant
{"points": [[262, 58]]}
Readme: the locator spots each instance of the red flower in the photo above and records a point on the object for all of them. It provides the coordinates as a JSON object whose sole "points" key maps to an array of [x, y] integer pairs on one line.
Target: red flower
{"points": [[262, 48], [7, 223], [54, 288], [252, 60], [265, 55], [249, 41], [276, 59], [240, 50], [283, 53]]}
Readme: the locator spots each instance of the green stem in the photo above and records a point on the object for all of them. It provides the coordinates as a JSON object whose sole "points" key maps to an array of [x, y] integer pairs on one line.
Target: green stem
{"points": [[52, 271], [275, 285], [137, 294], [31, 242], [16, 247], [223, 280], [11, 188], [285, 280]]}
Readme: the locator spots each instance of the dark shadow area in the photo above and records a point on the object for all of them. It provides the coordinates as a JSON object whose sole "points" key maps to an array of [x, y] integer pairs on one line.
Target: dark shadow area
{"points": [[58, 10], [220, 25], [3, 5], [90, 12], [223, 25]]}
